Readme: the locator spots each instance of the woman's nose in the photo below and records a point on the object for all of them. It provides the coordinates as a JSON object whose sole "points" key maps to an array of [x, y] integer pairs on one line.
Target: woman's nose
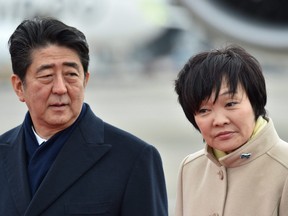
{"points": [[220, 118]]}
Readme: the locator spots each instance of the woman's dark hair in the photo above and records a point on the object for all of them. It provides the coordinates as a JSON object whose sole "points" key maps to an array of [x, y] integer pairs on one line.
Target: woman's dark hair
{"points": [[40, 32], [204, 72]]}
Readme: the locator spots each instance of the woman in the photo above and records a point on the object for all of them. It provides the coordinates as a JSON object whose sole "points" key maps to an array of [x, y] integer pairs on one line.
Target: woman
{"points": [[243, 169]]}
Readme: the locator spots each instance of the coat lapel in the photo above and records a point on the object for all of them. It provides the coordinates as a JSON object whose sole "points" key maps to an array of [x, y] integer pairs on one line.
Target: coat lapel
{"points": [[14, 158], [83, 149]]}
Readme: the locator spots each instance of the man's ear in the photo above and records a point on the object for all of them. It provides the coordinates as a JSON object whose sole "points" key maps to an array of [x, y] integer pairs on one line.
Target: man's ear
{"points": [[86, 79], [18, 87]]}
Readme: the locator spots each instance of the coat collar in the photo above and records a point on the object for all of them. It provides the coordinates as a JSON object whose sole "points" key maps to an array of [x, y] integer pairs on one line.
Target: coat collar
{"points": [[81, 151], [257, 146]]}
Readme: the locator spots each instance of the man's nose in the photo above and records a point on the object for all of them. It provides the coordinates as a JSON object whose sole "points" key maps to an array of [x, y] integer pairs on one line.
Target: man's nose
{"points": [[59, 85]]}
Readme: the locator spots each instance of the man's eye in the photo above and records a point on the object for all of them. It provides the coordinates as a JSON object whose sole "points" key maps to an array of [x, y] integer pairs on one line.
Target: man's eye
{"points": [[72, 74], [46, 76]]}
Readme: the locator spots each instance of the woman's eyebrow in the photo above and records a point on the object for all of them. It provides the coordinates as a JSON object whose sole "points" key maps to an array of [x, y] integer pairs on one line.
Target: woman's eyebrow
{"points": [[228, 92]]}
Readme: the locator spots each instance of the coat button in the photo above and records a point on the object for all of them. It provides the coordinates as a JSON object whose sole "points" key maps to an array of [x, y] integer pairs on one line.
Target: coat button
{"points": [[221, 175]]}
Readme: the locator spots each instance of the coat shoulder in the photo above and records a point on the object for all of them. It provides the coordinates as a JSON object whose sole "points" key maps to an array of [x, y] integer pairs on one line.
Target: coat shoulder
{"points": [[92, 126], [95, 130], [115, 134], [9, 135], [192, 157], [279, 153]]}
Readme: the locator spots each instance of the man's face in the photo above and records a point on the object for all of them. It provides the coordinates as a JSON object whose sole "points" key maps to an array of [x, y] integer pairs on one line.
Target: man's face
{"points": [[53, 89]]}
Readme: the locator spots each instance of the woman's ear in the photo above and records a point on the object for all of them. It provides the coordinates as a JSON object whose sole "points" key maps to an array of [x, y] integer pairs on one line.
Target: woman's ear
{"points": [[18, 87]]}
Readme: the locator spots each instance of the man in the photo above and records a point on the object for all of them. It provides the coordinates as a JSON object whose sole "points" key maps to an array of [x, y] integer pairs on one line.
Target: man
{"points": [[64, 160]]}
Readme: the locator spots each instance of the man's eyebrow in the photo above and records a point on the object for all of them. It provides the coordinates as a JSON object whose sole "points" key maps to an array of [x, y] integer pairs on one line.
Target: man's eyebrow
{"points": [[71, 64], [44, 67], [48, 66]]}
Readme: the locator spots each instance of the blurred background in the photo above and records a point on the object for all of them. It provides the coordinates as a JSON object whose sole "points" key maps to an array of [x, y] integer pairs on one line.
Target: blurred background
{"points": [[138, 47]]}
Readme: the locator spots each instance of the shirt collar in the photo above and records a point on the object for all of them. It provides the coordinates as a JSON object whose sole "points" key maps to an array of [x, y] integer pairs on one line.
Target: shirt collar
{"points": [[40, 140]]}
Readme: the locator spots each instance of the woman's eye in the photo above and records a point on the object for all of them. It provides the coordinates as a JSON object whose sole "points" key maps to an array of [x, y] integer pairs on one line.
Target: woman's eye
{"points": [[231, 104], [202, 111]]}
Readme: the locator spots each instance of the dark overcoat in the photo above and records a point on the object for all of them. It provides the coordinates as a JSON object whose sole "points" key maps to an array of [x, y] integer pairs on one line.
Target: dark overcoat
{"points": [[101, 170]]}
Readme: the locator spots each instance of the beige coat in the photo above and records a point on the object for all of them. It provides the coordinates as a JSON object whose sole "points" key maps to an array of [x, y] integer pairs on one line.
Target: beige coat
{"points": [[237, 184]]}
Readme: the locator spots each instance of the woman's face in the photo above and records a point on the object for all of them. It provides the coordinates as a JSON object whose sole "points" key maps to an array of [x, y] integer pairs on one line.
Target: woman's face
{"points": [[229, 122]]}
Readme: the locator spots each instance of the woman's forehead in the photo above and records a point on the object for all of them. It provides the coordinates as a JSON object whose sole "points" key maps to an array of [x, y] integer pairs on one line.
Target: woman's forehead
{"points": [[226, 89]]}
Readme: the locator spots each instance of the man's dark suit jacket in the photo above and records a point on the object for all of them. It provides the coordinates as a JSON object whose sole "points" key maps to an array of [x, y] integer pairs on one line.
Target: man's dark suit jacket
{"points": [[101, 170]]}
